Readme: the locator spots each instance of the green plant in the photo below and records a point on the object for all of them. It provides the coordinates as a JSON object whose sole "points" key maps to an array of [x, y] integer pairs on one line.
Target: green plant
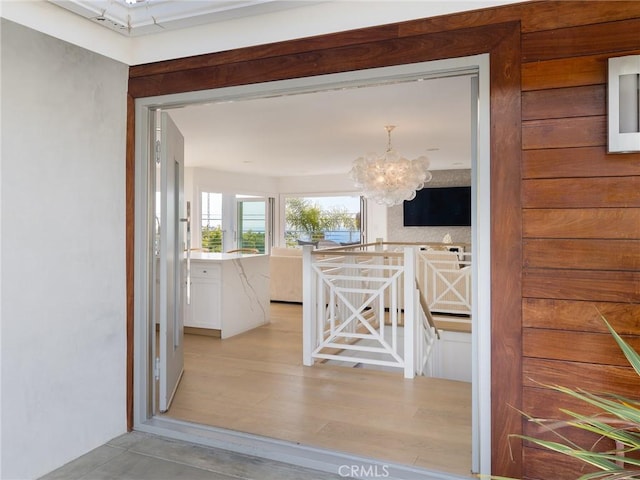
{"points": [[212, 239], [251, 239], [618, 420]]}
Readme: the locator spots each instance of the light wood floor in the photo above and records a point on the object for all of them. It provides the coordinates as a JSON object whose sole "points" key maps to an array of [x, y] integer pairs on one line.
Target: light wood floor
{"points": [[256, 383]]}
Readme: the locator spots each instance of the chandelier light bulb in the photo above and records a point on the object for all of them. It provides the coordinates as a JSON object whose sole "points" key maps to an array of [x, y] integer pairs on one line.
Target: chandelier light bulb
{"points": [[390, 179]]}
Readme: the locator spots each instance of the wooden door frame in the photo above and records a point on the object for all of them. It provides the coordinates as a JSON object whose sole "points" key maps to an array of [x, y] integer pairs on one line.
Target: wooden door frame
{"points": [[388, 45]]}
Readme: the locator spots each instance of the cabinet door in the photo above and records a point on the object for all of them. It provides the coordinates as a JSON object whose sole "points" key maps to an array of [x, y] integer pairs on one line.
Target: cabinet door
{"points": [[205, 304], [206, 297]]}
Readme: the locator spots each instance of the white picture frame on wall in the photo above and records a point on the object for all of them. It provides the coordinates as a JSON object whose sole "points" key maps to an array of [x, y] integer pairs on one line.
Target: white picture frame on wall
{"points": [[624, 104]]}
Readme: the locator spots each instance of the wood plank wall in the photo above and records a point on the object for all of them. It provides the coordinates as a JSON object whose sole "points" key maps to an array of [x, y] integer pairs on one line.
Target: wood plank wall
{"points": [[581, 228], [577, 250]]}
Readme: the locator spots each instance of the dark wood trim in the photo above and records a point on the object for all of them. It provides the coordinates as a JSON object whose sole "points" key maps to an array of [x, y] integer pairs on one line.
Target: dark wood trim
{"points": [[564, 72], [590, 377], [384, 48], [591, 192], [364, 36], [580, 101], [582, 254], [579, 316], [595, 223], [556, 14], [587, 347], [578, 162], [281, 49], [568, 72], [506, 255], [619, 36], [545, 464], [378, 53], [587, 285], [564, 132], [536, 16]]}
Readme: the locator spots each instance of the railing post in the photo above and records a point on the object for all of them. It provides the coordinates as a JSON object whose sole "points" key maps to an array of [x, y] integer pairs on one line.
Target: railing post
{"points": [[308, 306], [409, 312], [378, 307], [353, 297]]}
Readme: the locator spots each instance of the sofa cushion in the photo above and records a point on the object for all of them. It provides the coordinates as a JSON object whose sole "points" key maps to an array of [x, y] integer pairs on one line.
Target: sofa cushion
{"points": [[285, 272]]}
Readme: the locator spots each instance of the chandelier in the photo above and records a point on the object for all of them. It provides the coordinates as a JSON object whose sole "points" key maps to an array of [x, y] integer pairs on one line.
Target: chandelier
{"points": [[390, 179]]}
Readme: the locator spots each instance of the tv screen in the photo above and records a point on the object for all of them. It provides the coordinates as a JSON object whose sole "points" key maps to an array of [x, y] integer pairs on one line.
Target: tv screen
{"points": [[439, 207]]}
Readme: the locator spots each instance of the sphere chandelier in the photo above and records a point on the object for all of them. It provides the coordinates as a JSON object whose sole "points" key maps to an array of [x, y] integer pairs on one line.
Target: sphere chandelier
{"points": [[390, 179]]}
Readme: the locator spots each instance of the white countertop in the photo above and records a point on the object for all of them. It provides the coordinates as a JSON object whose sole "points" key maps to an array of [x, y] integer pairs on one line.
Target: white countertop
{"points": [[219, 257]]}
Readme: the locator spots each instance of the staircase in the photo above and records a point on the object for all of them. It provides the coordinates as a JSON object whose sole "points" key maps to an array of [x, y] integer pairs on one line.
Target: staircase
{"points": [[357, 310]]}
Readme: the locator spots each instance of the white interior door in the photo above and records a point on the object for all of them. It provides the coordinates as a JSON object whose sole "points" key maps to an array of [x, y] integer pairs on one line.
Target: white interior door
{"points": [[172, 261]]}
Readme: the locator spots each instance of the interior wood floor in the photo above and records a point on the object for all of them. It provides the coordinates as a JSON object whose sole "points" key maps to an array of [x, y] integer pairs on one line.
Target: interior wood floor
{"points": [[255, 383]]}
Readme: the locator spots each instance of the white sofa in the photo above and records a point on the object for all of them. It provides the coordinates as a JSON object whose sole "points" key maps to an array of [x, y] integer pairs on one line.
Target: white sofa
{"points": [[285, 271]]}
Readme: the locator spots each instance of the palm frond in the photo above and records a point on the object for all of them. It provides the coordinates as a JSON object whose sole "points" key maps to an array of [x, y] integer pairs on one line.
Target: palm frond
{"points": [[629, 352], [618, 420], [625, 475]]}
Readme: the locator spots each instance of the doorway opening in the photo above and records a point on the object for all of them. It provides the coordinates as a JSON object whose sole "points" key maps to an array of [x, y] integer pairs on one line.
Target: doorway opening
{"points": [[144, 418]]}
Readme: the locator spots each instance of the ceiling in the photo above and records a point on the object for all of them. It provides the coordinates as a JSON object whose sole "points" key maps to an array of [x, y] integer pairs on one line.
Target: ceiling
{"points": [[317, 133], [143, 17], [321, 133]]}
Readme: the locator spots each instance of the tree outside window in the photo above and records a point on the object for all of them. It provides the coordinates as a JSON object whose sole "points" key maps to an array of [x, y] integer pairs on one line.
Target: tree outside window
{"points": [[311, 219]]}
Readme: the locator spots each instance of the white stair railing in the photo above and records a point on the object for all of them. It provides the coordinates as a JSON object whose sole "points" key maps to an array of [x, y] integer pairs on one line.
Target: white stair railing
{"points": [[353, 307], [445, 278], [426, 337]]}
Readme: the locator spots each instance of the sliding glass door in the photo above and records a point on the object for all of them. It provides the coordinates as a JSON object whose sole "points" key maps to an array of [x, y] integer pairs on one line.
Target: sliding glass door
{"points": [[252, 223]]}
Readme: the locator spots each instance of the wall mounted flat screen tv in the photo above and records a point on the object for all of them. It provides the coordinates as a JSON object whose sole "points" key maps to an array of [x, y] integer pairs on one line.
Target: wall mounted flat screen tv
{"points": [[439, 207]]}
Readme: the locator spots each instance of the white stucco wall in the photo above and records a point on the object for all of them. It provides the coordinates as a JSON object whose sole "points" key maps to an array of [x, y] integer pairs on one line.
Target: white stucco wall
{"points": [[62, 253]]}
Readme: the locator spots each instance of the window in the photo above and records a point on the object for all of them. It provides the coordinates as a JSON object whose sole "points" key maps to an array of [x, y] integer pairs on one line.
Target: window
{"points": [[252, 222], [313, 219], [230, 221], [211, 224]]}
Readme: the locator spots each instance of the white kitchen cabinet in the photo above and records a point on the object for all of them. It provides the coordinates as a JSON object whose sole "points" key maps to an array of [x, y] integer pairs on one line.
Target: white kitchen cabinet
{"points": [[205, 306], [229, 293]]}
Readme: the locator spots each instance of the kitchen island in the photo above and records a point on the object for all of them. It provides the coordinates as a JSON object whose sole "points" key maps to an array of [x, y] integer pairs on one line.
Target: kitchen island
{"points": [[229, 293]]}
